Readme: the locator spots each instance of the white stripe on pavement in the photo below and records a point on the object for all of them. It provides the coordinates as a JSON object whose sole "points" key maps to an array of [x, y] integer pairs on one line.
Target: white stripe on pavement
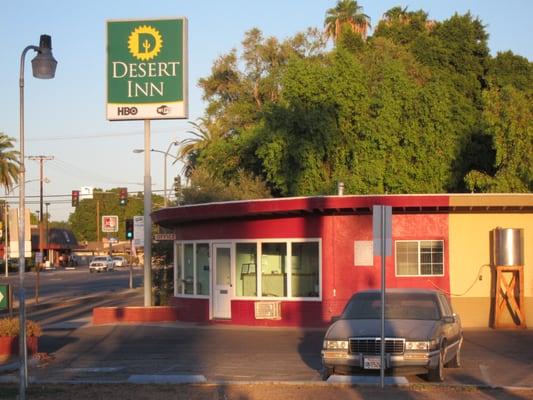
{"points": [[167, 379], [367, 380]]}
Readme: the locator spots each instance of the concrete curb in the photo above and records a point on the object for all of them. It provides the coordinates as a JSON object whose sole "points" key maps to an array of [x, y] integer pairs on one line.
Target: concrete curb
{"points": [[15, 365], [199, 380]]}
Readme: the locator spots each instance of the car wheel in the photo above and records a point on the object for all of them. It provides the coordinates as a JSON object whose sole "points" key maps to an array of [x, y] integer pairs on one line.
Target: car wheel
{"points": [[326, 372], [436, 374]]}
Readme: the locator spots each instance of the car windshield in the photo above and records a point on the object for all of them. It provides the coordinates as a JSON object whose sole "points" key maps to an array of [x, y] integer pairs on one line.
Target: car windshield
{"points": [[100, 259], [397, 306]]}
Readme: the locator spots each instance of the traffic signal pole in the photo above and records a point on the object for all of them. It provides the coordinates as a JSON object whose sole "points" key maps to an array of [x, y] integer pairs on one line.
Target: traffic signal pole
{"points": [[131, 269]]}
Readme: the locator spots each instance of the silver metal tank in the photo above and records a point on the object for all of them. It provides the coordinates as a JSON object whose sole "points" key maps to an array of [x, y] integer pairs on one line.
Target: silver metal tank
{"points": [[508, 244]]}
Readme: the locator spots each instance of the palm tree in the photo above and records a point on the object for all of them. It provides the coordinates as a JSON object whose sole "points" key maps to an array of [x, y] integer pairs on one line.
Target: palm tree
{"points": [[9, 162], [346, 12], [403, 17], [204, 133], [396, 14]]}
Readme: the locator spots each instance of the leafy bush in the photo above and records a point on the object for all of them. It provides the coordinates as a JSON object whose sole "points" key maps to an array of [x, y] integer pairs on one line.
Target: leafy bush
{"points": [[10, 327]]}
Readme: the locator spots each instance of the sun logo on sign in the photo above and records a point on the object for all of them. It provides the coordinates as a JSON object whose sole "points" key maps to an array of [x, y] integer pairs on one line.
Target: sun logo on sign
{"points": [[145, 42]]}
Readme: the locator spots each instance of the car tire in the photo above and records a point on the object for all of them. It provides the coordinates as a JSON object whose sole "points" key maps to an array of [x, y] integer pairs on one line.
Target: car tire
{"points": [[326, 372], [436, 374]]}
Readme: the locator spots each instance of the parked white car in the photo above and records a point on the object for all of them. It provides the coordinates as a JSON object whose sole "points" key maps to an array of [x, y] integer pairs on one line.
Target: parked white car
{"points": [[120, 261], [101, 263]]}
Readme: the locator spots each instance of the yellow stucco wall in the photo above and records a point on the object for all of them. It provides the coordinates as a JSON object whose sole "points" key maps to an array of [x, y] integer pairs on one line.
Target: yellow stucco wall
{"points": [[471, 276]]}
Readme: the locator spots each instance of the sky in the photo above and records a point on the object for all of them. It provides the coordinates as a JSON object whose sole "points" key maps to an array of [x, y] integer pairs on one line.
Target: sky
{"points": [[65, 117]]}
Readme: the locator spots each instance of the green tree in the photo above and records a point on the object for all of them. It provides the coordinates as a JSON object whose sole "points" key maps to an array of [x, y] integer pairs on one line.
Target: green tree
{"points": [[9, 162], [380, 125], [403, 112], [511, 69], [457, 48], [204, 133], [349, 13], [404, 27], [206, 187], [508, 115], [83, 219]]}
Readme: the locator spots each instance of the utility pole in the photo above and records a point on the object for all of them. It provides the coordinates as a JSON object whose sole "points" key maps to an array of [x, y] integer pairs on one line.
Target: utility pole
{"points": [[6, 237], [47, 233], [41, 160]]}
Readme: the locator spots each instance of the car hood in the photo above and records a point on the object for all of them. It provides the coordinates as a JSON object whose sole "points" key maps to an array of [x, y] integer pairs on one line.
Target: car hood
{"points": [[404, 328]]}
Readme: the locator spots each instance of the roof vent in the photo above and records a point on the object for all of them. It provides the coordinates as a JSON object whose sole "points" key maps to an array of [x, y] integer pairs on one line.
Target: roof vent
{"points": [[340, 188]]}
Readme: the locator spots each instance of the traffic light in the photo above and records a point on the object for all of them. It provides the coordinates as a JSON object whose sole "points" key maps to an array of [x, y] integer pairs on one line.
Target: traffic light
{"points": [[123, 196], [129, 229], [75, 198]]}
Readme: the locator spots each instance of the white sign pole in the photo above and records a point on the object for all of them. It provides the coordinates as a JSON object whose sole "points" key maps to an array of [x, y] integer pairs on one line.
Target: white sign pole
{"points": [[382, 230], [147, 218]]}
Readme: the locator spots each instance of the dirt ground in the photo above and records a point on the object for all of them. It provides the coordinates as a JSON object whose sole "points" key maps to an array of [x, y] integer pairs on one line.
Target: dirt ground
{"points": [[262, 391]]}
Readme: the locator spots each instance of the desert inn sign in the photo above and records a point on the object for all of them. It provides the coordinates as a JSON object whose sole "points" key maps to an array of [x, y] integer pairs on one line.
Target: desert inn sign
{"points": [[147, 69]]}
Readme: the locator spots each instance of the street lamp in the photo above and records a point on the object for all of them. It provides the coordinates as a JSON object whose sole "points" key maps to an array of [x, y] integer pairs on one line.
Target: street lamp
{"points": [[174, 143], [44, 67]]}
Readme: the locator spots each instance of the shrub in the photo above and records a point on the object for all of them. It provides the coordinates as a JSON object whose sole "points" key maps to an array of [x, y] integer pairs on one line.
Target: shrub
{"points": [[10, 327]]}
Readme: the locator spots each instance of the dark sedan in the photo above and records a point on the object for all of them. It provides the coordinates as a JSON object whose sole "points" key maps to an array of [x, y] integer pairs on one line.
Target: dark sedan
{"points": [[422, 334]]}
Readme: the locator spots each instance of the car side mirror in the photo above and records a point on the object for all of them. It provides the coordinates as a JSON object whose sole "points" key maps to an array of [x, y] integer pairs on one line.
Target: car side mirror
{"points": [[335, 318], [449, 319]]}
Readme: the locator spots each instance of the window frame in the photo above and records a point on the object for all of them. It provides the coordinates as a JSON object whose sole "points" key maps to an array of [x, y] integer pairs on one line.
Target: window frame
{"points": [[288, 268], [258, 242], [418, 242], [182, 243]]}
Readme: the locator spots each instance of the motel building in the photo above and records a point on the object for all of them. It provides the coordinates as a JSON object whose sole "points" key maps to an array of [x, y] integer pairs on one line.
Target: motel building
{"points": [[296, 261]]}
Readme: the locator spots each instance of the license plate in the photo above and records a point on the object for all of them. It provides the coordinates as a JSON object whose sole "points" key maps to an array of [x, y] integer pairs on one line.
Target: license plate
{"points": [[372, 363]]}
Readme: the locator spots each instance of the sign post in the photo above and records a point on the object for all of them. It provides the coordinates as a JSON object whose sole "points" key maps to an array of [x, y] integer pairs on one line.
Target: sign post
{"points": [[147, 79], [382, 236]]}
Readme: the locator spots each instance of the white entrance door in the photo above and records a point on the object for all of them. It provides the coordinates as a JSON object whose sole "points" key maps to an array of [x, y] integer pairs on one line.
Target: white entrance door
{"points": [[222, 281]]}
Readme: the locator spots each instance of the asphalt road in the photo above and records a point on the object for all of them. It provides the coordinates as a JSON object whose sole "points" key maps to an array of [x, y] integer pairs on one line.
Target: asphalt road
{"points": [[69, 284]]}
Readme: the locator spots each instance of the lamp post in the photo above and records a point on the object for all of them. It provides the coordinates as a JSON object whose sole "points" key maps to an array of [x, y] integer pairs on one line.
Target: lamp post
{"points": [[166, 153], [44, 67]]}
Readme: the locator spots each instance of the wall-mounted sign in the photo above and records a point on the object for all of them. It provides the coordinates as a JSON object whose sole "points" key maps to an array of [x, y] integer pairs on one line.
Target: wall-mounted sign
{"points": [[363, 253], [164, 236], [147, 69]]}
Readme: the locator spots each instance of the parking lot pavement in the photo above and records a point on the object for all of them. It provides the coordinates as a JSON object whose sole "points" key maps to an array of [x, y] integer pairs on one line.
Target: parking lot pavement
{"points": [[174, 351]]}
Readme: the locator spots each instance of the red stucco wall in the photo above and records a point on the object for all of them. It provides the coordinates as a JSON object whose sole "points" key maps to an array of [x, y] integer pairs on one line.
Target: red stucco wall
{"points": [[295, 227], [340, 277]]}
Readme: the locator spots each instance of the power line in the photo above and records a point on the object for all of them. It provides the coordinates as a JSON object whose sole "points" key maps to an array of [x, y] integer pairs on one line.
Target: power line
{"points": [[67, 169], [96, 136]]}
